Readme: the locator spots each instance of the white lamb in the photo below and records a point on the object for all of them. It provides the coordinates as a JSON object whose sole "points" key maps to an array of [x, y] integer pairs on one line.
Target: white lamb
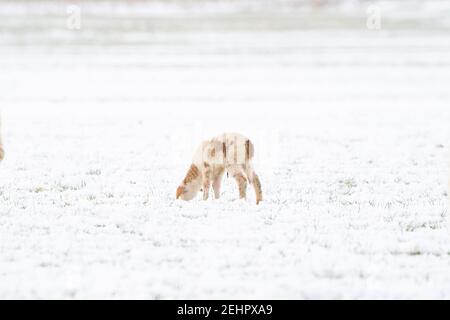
{"points": [[229, 151]]}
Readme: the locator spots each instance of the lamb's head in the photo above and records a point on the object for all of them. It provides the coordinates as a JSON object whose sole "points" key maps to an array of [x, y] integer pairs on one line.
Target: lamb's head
{"points": [[191, 184]]}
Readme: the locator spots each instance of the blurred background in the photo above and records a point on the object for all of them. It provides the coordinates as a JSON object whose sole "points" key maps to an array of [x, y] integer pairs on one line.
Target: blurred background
{"points": [[233, 53]]}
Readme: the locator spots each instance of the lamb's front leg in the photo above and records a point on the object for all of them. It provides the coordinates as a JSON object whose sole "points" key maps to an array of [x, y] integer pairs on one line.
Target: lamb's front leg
{"points": [[217, 182], [237, 173], [206, 181]]}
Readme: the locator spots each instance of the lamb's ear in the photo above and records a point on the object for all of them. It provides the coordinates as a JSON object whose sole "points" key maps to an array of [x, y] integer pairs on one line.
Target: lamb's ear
{"points": [[180, 191], [192, 174]]}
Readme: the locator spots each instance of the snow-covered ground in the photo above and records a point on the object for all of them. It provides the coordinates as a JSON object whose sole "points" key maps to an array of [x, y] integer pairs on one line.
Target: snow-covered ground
{"points": [[350, 129]]}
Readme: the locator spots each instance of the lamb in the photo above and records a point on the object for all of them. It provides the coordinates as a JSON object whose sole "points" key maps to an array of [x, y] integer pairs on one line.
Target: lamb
{"points": [[229, 152]]}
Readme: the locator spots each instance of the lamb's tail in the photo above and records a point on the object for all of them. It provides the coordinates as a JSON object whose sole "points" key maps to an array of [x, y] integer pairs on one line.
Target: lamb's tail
{"points": [[249, 150]]}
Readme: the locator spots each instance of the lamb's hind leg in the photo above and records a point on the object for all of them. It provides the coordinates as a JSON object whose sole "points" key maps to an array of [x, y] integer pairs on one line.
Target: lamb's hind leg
{"points": [[257, 187], [254, 180]]}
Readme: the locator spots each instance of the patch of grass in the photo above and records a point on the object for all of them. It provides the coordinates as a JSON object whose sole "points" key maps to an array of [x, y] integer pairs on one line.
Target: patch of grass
{"points": [[73, 187], [407, 253], [348, 184], [39, 190], [93, 172]]}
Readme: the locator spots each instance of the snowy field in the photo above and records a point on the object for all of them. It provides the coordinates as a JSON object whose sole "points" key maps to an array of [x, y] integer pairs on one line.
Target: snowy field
{"points": [[351, 131]]}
